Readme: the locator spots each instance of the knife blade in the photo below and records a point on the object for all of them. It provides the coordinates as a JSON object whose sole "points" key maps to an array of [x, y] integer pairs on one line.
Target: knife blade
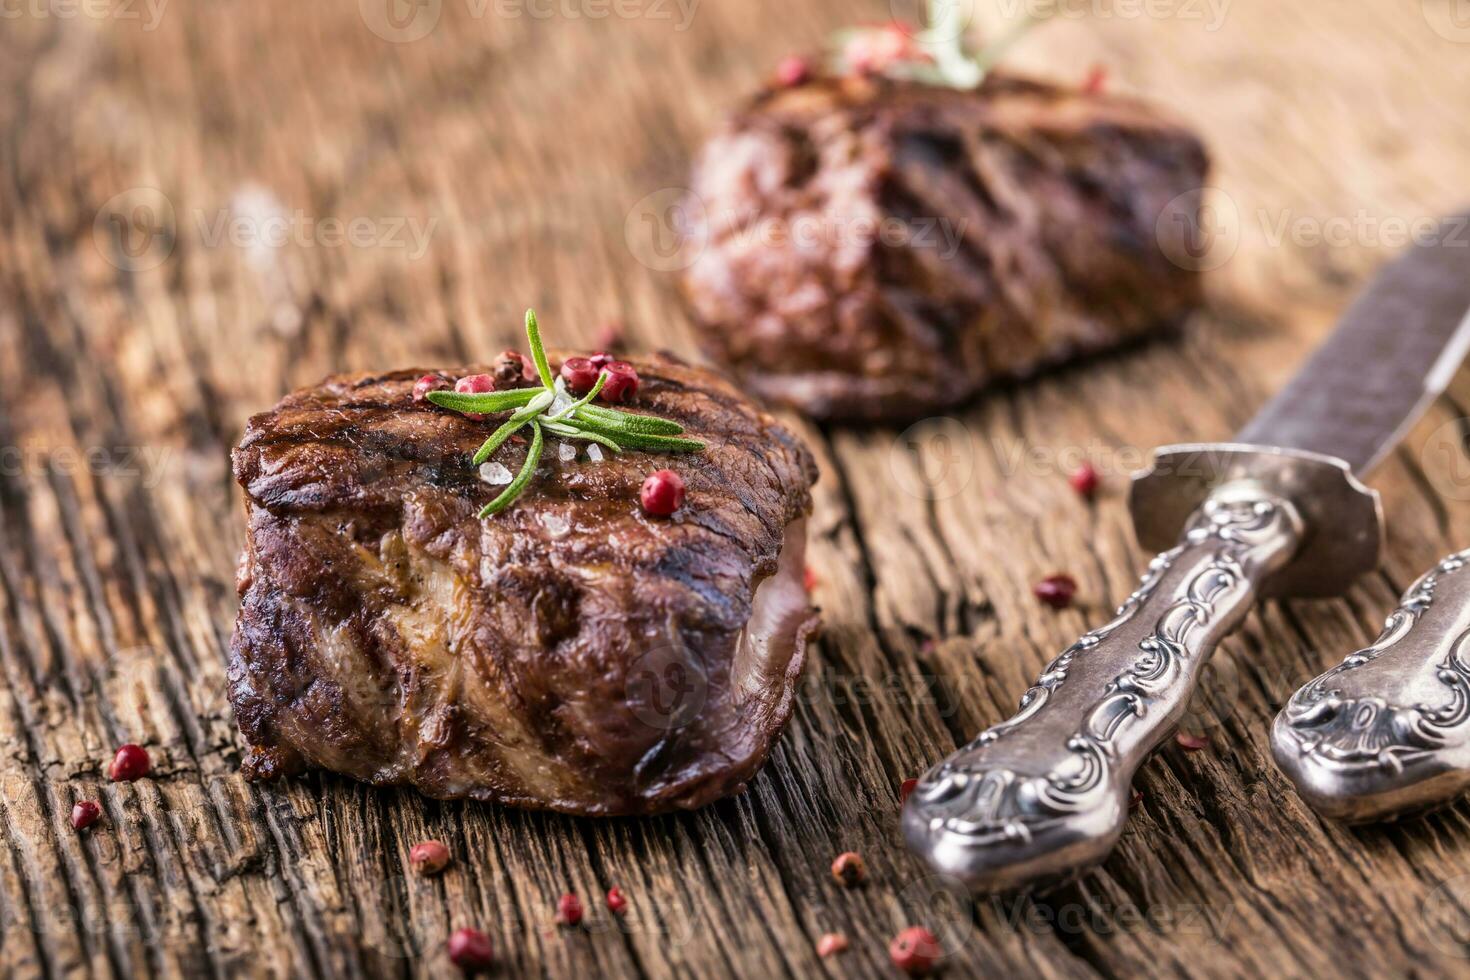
{"points": [[1044, 794]]}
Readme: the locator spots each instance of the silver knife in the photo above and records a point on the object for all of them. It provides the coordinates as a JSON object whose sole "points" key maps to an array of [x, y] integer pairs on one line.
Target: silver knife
{"points": [[1387, 731], [1277, 512]]}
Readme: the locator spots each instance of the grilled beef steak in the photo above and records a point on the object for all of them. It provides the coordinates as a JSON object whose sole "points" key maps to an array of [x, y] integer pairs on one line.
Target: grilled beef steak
{"points": [[879, 249], [570, 653]]}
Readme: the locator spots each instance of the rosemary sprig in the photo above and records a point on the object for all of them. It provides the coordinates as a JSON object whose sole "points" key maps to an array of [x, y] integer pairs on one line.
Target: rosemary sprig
{"points": [[580, 419], [528, 470], [937, 55]]}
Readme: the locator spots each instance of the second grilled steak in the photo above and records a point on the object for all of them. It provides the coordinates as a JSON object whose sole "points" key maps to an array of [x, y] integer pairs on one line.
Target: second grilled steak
{"points": [[876, 249], [570, 653]]}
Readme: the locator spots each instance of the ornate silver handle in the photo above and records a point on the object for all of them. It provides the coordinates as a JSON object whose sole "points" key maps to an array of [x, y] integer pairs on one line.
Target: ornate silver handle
{"points": [[1045, 794], [1387, 731]]}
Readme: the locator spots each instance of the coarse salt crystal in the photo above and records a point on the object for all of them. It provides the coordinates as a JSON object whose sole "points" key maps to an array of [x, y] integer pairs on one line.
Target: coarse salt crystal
{"points": [[594, 453], [566, 452], [495, 474], [555, 524]]}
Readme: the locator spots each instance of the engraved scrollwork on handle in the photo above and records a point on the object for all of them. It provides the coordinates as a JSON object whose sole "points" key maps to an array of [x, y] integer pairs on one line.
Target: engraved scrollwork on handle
{"points": [[1045, 791], [1388, 729]]}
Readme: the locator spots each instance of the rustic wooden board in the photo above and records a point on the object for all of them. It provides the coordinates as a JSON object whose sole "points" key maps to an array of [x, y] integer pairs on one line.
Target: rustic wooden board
{"points": [[529, 142]]}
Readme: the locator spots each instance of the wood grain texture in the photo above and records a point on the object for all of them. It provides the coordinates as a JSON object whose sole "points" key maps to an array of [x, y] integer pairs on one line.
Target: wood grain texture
{"points": [[520, 146]]}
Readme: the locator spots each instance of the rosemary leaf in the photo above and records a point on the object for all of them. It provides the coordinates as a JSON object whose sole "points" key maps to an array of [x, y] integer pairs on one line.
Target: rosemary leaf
{"points": [[523, 478], [647, 424], [577, 432], [640, 440], [538, 353], [508, 429], [580, 402], [542, 400], [484, 403]]}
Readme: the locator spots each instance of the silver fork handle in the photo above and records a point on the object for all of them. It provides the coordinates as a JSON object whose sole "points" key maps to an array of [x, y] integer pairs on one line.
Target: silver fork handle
{"points": [[1045, 794], [1387, 731]]}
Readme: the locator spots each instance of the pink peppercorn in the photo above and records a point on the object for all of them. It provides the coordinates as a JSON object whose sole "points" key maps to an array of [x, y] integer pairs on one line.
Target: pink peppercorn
{"points": [[914, 951], [580, 374], [622, 382], [662, 493], [475, 384], [428, 857], [470, 950], [426, 384], [1085, 480], [616, 903], [511, 368], [793, 70], [849, 869], [130, 763], [85, 814], [831, 944], [1056, 591], [569, 910]]}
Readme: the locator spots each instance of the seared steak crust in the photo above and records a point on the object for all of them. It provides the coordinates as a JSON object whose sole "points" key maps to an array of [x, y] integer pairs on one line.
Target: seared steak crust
{"points": [[876, 249], [570, 653]]}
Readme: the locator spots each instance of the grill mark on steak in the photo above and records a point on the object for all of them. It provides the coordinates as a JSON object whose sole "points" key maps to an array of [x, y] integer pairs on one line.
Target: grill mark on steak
{"points": [[387, 633]]}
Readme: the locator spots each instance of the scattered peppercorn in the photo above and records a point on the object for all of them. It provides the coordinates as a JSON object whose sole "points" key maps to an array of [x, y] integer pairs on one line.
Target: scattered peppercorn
{"points": [[793, 70], [568, 910], [1085, 480], [662, 493], [511, 368], [1135, 799], [914, 951], [470, 950], [580, 374], [428, 857], [621, 384], [809, 579], [1191, 743], [616, 902], [1096, 79], [905, 788], [428, 383], [1056, 591], [475, 384], [849, 870], [130, 763], [85, 814], [831, 944]]}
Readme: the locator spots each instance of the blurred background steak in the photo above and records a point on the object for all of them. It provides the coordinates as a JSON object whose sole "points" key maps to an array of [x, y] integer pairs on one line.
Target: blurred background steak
{"points": [[878, 249], [570, 653]]}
